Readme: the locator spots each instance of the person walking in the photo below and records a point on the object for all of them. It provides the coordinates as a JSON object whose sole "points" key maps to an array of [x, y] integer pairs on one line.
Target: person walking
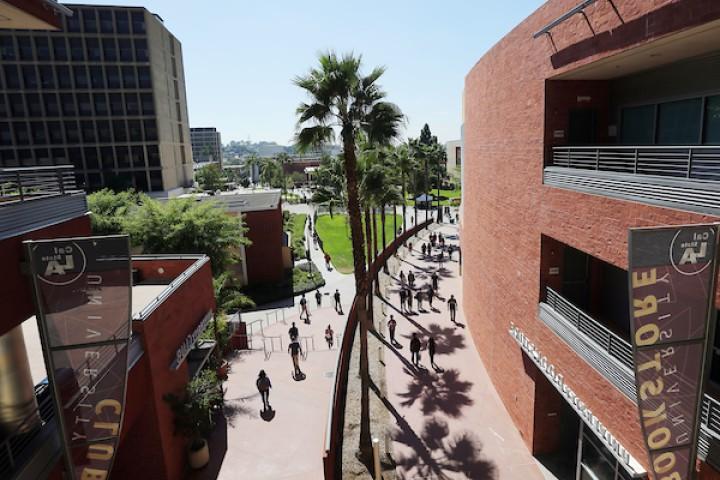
{"points": [[402, 278], [431, 294], [410, 246], [408, 297], [415, 349], [295, 350], [411, 279], [327, 261], [435, 280], [452, 305], [424, 249], [293, 332], [304, 309], [336, 297], [431, 351], [263, 385], [318, 297], [329, 336], [391, 328], [401, 293], [418, 297]]}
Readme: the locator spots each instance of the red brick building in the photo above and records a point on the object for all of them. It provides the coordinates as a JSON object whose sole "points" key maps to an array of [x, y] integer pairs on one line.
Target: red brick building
{"points": [[584, 121]]}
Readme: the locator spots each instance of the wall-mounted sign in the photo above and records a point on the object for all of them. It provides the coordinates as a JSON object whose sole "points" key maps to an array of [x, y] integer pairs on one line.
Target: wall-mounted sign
{"points": [[554, 271], [672, 280], [558, 133], [82, 294], [584, 98], [558, 381], [189, 342]]}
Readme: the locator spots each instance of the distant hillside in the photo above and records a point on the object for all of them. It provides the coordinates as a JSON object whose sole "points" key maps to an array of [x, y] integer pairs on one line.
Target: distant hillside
{"points": [[244, 148]]}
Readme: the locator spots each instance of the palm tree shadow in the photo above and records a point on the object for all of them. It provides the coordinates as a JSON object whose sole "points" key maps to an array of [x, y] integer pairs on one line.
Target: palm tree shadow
{"points": [[443, 393]]}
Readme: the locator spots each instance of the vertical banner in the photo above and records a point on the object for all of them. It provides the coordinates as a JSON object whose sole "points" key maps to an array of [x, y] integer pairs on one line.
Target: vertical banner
{"points": [[82, 293], [672, 292]]}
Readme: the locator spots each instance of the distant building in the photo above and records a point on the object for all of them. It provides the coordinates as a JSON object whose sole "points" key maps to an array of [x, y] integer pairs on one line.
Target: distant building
{"points": [[206, 145], [32, 14], [106, 94], [453, 149]]}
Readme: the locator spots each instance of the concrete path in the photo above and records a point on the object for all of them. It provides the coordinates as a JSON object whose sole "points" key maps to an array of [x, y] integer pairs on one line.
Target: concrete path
{"points": [[450, 420]]}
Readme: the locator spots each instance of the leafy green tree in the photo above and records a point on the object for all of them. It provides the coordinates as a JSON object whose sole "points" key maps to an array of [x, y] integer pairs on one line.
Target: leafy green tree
{"points": [[187, 226], [341, 96], [330, 183], [109, 210], [426, 136], [228, 295], [210, 177]]}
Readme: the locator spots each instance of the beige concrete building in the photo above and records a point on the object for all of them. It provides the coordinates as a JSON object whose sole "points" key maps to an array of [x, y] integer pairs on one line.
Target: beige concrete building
{"points": [[106, 94], [453, 149]]}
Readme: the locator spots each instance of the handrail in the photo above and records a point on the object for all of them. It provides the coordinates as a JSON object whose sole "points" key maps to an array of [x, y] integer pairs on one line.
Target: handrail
{"points": [[22, 184], [336, 412]]}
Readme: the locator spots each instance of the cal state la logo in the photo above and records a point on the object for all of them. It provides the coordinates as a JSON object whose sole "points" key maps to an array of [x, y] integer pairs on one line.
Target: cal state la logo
{"points": [[691, 250], [60, 264]]}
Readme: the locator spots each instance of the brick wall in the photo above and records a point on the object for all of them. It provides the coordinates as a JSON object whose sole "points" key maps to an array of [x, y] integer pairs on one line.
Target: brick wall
{"points": [[264, 256], [507, 209]]}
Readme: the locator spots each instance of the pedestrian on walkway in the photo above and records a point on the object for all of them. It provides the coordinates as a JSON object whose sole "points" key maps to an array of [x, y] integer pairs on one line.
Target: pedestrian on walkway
{"points": [[401, 293], [410, 246], [452, 305], [411, 279], [263, 385], [415, 349], [424, 249], [402, 278], [329, 336], [435, 280], [327, 261], [418, 297], [293, 332], [295, 350], [440, 257], [431, 351], [318, 297], [391, 328], [338, 306], [408, 297], [431, 294], [304, 309]]}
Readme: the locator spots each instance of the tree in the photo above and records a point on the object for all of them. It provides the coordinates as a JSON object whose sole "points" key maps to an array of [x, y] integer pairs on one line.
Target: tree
{"points": [[187, 226], [109, 210], [405, 165], [210, 177], [329, 186], [341, 97], [426, 137]]}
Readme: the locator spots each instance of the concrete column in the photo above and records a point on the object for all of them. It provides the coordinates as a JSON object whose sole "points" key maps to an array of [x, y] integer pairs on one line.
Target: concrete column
{"points": [[17, 391]]}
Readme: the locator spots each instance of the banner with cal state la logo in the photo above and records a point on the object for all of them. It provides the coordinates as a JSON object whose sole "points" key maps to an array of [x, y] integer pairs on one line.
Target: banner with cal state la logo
{"points": [[672, 304], [82, 293]]}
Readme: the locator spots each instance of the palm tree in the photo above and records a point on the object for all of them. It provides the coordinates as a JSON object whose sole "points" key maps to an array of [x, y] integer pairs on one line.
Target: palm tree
{"points": [[253, 162], [329, 186], [341, 97], [405, 165]]}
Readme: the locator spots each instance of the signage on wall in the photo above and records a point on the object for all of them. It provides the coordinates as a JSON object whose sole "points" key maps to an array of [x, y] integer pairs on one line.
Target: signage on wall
{"points": [[189, 342], [672, 290], [82, 292]]}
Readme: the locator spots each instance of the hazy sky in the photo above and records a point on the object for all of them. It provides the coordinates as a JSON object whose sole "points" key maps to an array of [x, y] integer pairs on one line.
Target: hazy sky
{"points": [[240, 56]]}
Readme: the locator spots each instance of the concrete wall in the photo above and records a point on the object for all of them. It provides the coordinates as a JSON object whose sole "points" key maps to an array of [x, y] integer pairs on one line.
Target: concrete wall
{"points": [[506, 208], [264, 257]]}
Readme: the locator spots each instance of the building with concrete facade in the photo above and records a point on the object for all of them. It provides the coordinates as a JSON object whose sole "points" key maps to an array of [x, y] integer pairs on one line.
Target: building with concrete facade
{"points": [[587, 119], [206, 145], [453, 150], [106, 94]]}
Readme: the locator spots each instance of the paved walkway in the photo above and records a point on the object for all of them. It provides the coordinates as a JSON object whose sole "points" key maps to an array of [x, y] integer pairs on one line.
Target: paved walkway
{"points": [[450, 420]]}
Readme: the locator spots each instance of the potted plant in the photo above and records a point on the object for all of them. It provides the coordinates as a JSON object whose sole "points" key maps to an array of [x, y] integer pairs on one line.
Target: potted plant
{"points": [[193, 411]]}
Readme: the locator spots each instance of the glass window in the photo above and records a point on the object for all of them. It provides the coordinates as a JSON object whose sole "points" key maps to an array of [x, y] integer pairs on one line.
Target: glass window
{"points": [[131, 104], [123, 157], [12, 77], [109, 49], [141, 183], [4, 107], [120, 131], [25, 48], [8, 157], [42, 48], [101, 104], [77, 53], [129, 80], [7, 48], [47, 76], [17, 105], [144, 77], [96, 77], [42, 156], [67, 100], [75, 156], [22, 134], [141, 50], [138, 156], [125, 47], [712, 120], [93, 49], [150, 130], [5, 134], [106, 21], [72, 132], [116, 104], [156, 180], [30, 78], [104, 132], [138, 22], [594, 464], [72, 22], [25, 157], [34, 105], [60, 52], [55, 131], [153, 156], [81, 77], [122, 24], [135, 130], [63, 77], [679, 122], [52, 105], [91, 158], [113, 77], [58, 156], [84, 105], [148, 105], [107, 158], [637, 124], [88, 131], [89, 21]]}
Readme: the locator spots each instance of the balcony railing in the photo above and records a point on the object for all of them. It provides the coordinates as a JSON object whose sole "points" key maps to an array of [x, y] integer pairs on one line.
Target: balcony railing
{"points": [[608, 344], [24, 184], [685, 162]]}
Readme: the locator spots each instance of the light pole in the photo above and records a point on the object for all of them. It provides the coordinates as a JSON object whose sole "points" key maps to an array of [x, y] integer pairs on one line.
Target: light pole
{"points": [[439, 176]]}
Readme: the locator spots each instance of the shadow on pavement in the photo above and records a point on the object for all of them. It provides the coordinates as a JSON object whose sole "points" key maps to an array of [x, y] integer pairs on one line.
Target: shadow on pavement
{"points": [[443, 393]]}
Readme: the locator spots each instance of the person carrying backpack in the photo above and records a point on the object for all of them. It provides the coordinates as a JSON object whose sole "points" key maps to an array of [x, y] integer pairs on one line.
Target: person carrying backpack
{"points": [[263, 385]]}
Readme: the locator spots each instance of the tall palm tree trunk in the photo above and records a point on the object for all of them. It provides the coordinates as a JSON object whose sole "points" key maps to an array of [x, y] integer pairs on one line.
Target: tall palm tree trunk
{"points": [[361, 288], [375, 233], [404, 206], [394, 222], [382, 226]]}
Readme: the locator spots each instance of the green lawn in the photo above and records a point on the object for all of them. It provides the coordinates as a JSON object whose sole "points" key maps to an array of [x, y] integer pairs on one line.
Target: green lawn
{"points": [[296, 227], [335, 234], [446, 196]]}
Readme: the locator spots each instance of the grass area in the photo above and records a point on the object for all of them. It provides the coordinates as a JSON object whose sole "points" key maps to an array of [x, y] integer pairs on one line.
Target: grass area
{"points": [[304, 281], [296, 226], [292, 198], [447, 197], [335, 234]]}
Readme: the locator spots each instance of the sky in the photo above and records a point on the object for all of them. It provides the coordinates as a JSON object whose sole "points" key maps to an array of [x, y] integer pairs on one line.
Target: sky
{"points": [[241, 56]]}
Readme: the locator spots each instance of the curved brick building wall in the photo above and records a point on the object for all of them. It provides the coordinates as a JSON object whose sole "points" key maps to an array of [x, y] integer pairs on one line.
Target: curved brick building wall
{"points": [[507, 208]]}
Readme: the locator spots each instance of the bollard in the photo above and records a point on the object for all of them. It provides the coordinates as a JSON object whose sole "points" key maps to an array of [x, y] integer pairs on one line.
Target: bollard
{"points": [[376, 458]]}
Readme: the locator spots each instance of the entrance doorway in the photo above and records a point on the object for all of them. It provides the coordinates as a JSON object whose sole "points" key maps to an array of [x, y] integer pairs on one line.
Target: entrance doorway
{"points": [[582, 129]]}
